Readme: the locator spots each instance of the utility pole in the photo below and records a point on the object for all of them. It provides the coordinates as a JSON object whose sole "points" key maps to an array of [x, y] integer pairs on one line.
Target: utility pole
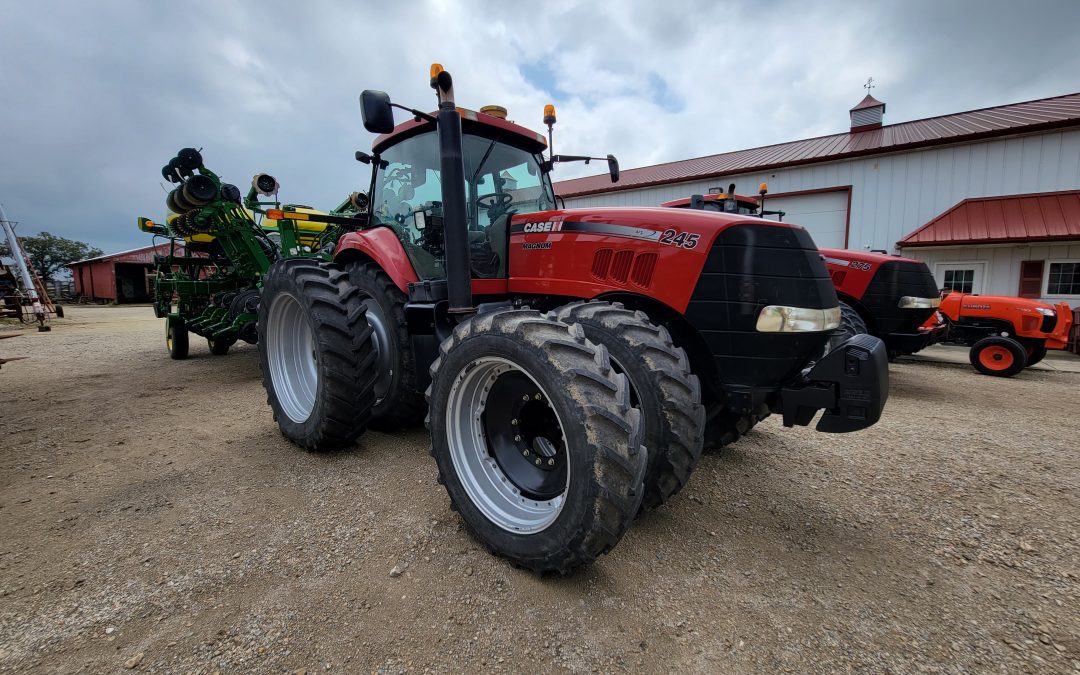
{"points": [[24, 271]]}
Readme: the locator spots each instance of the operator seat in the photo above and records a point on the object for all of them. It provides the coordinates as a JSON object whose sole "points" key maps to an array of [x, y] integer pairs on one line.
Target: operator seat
{"points": [[497, 239]]}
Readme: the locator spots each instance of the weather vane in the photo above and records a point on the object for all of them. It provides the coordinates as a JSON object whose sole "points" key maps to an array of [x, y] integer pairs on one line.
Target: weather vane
{"points": [[869, 84]]}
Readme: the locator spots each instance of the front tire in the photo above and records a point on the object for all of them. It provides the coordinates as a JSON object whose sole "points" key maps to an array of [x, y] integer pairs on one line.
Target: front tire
{"points": [[397, 403], [998, 356], [535, 439], [851, 324], [668, 394], [317, 353], [176, 338]]}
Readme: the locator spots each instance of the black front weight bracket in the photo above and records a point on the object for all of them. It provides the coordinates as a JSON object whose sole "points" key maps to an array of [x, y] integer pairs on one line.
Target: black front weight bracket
{"points": [[851, 383]]}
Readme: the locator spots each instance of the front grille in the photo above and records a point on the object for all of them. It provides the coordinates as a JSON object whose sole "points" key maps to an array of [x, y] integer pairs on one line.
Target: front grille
{"points": [[1049, 323], [750, 266], [892, 281]]}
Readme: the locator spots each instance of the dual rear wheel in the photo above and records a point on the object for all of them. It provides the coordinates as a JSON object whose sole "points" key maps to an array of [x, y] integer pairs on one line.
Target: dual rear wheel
{"points": [[549, 431]]}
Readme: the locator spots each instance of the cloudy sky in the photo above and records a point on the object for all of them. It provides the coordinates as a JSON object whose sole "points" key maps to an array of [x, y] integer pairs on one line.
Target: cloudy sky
{"points": [[96, 96]]}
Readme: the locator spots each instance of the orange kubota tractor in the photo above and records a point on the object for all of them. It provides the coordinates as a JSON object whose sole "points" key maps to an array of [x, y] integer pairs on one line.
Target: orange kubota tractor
{"points": [[1005, 334]]}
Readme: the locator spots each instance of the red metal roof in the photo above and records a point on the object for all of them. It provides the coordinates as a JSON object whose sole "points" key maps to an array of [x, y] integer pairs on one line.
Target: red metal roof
{"points": [[144, 255], [1016, 118], [868, 102], [1048, 216]]}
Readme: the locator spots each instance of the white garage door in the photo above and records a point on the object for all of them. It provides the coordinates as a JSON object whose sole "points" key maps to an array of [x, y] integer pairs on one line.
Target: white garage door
{"points": [[824, 214]]}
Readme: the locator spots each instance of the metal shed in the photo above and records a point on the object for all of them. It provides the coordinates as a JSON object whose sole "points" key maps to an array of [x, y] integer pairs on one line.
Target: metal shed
{"points": [[117, 277]]}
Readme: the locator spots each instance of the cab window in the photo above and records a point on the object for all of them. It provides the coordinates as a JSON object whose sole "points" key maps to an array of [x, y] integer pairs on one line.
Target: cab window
{"points": [[500, 181]]}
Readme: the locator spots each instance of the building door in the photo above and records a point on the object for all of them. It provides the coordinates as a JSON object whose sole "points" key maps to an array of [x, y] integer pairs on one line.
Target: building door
{"points": [[1031, 278], [964, 277], [823, 214]]}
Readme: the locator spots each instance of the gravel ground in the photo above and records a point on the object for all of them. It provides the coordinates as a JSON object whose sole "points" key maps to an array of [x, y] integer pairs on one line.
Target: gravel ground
{"points": [[153, 519]]}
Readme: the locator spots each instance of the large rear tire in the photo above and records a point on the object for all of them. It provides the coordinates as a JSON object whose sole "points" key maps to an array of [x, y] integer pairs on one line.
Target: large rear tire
{"points": [[1035, 353], [397, 403], [998, 356], [535, 439], [317, 353], [662, 386]]}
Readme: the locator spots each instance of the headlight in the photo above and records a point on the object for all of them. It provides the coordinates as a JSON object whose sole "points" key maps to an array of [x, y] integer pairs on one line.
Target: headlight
{"points": [[780, 319], [911, 302], [1045, 311]]}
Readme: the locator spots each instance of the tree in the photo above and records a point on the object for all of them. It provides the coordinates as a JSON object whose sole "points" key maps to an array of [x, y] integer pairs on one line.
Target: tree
{"points": [[49, 253]]}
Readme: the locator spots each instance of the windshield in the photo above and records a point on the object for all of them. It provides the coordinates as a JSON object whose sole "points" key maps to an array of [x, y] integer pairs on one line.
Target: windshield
{"points": [[500, 181]]}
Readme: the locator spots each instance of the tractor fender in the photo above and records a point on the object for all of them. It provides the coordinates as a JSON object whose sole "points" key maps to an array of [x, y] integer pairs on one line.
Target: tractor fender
{"points": [[381, 246]]}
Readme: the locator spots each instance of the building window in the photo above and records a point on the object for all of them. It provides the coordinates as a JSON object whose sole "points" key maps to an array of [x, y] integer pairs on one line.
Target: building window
{"points": [[961, 281], [1063, 278]]}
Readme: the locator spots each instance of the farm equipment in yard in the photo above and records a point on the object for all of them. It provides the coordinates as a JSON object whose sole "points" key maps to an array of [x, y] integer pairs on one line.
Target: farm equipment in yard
{"points": [[1006, 334], [209, 282], [23, 296], [886, 296], [573, 363]]}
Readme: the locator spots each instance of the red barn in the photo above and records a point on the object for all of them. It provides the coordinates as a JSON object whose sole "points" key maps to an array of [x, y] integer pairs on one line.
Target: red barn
{"points": [[119, 277]]}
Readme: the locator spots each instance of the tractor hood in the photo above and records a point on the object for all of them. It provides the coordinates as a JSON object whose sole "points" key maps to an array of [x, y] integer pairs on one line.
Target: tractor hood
{"points": [[997, 302]]}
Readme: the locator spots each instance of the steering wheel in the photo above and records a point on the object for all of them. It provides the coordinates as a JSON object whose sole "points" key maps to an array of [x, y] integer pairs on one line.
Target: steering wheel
{"points": [[495, 202]]}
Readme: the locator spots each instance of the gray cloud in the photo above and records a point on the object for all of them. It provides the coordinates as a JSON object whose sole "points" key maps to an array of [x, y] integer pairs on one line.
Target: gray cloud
{"points": [[97, 96]]}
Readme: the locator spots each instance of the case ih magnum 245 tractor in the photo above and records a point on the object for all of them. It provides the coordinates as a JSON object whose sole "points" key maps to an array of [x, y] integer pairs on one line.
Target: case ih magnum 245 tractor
{"points": [[573, 360], [887, 296]]}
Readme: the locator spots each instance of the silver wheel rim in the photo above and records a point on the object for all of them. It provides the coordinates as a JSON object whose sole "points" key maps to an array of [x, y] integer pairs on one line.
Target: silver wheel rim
{"points": [[290, 350], [489, 489], [383, 354]]}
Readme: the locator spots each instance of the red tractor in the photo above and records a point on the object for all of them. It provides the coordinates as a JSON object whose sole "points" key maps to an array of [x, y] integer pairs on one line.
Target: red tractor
{"points": [[886, 296], [1005, 334], [571, 364]]}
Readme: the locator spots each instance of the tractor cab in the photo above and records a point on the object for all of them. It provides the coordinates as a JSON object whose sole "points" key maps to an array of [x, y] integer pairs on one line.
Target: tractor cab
{"points": [[728, 202], [505, 175]]}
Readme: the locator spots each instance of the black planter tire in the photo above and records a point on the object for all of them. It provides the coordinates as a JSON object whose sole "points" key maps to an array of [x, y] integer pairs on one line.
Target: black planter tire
{"points": [[998, 356], [220, 346], [176, 338], [317, 353], [594, 437], [397, 403], [668, 394]]}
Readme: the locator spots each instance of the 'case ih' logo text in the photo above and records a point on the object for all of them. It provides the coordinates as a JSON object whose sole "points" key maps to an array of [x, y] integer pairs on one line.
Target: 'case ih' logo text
{"points": [[546, 226]]}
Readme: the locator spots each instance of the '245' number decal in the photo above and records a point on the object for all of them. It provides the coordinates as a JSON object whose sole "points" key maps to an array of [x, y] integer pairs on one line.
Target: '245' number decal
{"points": [[681, 239]]}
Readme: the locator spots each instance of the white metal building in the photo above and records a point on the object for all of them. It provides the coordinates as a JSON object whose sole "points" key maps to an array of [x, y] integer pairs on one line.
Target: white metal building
{"points": [[912, 188]]}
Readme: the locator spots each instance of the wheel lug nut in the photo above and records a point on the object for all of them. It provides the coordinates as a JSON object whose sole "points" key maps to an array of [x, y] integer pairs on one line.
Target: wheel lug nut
{"points": [[525, 452], [551, 462], [513, 422], [517, 438], [537, 461], [538, 397], [525, 397]]}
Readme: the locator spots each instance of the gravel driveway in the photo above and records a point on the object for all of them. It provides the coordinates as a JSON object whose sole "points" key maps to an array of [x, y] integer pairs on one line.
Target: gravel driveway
{"points": [[153, 519]]}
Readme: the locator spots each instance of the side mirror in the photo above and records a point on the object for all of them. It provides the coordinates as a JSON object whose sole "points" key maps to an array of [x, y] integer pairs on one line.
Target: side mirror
{"points": [[613, 168], [376, 111]]}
